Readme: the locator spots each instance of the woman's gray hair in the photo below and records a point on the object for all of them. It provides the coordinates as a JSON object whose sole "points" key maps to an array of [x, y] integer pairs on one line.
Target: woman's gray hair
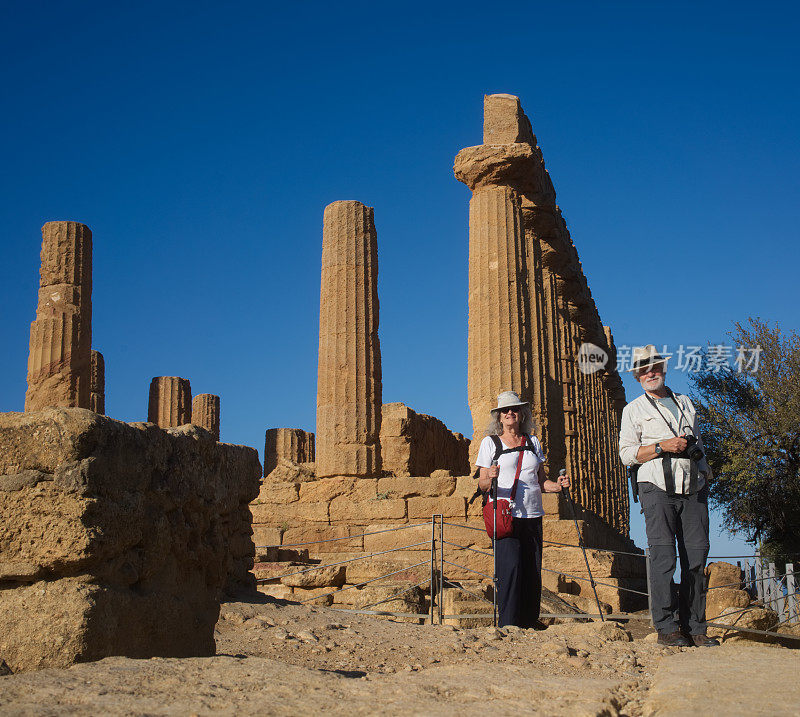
{"points": [[526, 423]]}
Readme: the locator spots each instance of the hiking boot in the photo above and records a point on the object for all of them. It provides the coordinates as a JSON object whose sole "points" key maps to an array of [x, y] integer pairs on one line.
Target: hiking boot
{"points": [[673, 639], [704, 641]]}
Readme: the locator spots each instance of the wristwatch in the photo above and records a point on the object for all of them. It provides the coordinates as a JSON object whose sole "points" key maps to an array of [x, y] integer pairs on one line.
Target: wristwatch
{"points": [[659, 449]]}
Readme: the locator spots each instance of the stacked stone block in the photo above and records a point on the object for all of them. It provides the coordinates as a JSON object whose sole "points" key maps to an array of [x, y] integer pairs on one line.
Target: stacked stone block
{"points": [[61, 335], [205, 413], [349, 375], [97, 383], [530, 315], [338, 519], [292, 445], [170, 402], [413, 444]]}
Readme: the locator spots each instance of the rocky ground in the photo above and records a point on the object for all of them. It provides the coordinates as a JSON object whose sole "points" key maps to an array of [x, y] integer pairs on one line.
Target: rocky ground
{"points": [[275, 658]]}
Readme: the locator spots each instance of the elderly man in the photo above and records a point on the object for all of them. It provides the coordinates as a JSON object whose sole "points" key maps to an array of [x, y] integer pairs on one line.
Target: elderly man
{"points": [[659, 439]]}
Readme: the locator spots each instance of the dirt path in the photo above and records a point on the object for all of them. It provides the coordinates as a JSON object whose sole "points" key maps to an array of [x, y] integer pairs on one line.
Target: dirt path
{"points": [[276, 659]]}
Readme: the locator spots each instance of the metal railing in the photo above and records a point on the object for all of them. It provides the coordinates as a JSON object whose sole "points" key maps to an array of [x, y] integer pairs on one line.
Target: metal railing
{"points": [[760, 580]]}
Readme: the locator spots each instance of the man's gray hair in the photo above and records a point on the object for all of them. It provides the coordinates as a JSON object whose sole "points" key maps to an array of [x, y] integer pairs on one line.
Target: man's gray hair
{"points": [[526, 423]]}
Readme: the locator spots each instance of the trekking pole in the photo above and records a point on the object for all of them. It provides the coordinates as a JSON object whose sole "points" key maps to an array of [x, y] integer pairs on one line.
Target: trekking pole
{"points": [[565, 490], [493, 491]]}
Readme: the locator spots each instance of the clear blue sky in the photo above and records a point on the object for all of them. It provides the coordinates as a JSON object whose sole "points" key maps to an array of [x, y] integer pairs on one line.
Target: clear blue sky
{"points": [[201, 141]]}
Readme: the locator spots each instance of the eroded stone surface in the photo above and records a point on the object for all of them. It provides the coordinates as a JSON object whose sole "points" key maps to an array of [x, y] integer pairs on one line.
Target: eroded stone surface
{"points": [[61, 335], [117, 539]]}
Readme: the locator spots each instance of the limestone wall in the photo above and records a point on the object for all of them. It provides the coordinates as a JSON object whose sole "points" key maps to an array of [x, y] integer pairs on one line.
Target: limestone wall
{"points": [[414, 444], [117, 539], [298, 524]]}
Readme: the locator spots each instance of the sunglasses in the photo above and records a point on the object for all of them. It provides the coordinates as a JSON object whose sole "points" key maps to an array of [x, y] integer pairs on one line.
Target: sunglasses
{"points": [[510, 409]]}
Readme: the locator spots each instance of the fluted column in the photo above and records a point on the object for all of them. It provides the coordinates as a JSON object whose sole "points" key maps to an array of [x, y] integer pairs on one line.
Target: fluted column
{"points": [[499, 314], [205, 413], [97, 383], [290, 444], [61, 335], [170, 401], [349, 388]]}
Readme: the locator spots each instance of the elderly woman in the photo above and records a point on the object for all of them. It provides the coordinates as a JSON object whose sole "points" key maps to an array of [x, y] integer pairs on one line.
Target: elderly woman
{"points": [[519, 556]]}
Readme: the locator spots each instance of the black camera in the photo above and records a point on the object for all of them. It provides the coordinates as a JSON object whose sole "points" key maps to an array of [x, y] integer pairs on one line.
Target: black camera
{"points": [[692, 451]]}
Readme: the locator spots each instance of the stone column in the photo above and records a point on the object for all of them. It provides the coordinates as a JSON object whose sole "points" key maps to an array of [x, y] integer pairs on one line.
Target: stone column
{"points": [[349, 389], [289, 444], [170, 401], [61, 334], [205, 413], [97, 383], [498, 343]]}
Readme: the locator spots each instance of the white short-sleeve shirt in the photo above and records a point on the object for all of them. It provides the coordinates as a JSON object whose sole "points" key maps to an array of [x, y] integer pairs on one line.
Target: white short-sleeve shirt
{"points": [[528, 501]]}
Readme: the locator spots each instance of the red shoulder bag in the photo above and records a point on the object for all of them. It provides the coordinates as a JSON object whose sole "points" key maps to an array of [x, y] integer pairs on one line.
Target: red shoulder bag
{"points": [[498, 511]]}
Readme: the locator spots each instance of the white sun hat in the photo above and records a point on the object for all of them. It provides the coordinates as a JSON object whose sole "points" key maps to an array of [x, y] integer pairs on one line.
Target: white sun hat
{"points": [[645, 357], [508, 399]]}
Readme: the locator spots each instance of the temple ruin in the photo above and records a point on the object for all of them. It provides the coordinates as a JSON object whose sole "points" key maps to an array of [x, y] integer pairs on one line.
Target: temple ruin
{"points": [[205, 413], [170, 402], [59, 361], [349, 375], [530, 310]]}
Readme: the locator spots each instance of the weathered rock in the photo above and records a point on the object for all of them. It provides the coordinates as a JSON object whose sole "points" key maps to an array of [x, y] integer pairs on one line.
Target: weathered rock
{"points": [[323, 577], [755, 618], [349, 376], [97, 383], [292, 445], [128, 547], [413, 444], [170, 401], [718, 599], [205, 413], [61, 335], [724, 575]]}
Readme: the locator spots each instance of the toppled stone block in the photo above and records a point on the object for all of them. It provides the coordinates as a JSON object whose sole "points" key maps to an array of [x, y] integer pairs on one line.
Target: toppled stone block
{"points": [[117, 539], [414, 444]]}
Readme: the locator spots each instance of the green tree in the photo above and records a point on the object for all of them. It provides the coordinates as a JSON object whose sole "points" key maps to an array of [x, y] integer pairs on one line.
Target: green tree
{"points": [[750, 423]]}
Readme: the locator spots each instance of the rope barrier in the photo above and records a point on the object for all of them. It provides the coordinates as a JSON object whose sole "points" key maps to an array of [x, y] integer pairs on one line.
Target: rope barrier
{"points": [[469, 592], [596, 582], [344, 537], [464, 547], [599, 550], [464, 567], [366, 582], [396, 595], [341, 562], [468, 527]]}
